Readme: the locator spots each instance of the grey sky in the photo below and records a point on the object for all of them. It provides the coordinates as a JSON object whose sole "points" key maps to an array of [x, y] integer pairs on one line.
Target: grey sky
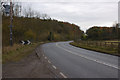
{"points": [[84, 13]]}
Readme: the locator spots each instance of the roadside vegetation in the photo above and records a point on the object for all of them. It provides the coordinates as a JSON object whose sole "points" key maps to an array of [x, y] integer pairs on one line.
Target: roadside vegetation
{"points": [[101, 39], [37, 30], [100, 46], [37, 27], [17, 52], [34, 26], [103, 33]]}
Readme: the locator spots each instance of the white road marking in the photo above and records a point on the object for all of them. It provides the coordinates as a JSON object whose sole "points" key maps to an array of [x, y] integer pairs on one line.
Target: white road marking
{"points": [[88, 57], [49, 61], [63, 75], [54, 67]]}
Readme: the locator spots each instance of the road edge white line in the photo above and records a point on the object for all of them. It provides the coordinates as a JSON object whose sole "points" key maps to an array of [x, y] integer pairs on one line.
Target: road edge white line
{"points": [[54, 67], [49, 61], [63, 75]]}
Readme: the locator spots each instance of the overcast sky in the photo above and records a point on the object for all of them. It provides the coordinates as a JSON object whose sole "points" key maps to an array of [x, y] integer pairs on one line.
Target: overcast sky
{"points": [[84, 13]]}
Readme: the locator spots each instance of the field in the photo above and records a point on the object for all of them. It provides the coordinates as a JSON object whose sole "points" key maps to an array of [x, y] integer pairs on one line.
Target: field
{"points": [[110, 47]]}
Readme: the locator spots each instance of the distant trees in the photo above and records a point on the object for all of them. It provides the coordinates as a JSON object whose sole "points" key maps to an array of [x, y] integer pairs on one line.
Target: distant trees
{"points": [[17, 9], [103, 33], [30, 35], [94, 33], [36, 26], [44, 16], [37, 14], [84, 37], [28, 12], [36, 29]]}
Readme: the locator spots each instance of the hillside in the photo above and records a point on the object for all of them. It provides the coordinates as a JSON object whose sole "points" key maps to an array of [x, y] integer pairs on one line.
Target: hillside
{"points": [[38, 30], [103, 33]]}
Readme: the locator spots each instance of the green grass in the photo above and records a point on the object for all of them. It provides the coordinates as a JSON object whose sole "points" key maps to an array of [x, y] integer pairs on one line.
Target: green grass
{"points": [[17, 52], [97, 48]]}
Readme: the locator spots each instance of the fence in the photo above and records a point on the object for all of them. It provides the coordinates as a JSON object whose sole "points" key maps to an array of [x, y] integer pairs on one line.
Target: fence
{"points": [[113, 45]]}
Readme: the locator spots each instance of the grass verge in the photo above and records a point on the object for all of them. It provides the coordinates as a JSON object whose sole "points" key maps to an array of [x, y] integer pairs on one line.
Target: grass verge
{"points": [[97, 48], [17, 52]]}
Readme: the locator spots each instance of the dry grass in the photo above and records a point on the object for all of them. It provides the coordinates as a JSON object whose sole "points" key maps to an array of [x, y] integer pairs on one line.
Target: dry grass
{"points": [[7, 49], [17, 52], [109, 50]]}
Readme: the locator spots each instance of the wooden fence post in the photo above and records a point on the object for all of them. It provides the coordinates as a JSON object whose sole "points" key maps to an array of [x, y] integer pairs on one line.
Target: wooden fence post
{"points": [[100, 43], [105, 44], [96, 43], [119, 48], [111, 45]]}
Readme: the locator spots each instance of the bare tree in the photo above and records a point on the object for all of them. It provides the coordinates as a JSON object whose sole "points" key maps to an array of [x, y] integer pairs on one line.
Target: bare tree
{"points": [[17, 8], [31, 12], [45, 16], [37, 14], [25, 13], [28, 12]]}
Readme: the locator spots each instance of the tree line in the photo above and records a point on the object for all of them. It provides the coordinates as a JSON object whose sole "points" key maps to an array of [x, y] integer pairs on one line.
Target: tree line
{"points": [[20, 11], [102, 33], [38, 30], [36, 26]]}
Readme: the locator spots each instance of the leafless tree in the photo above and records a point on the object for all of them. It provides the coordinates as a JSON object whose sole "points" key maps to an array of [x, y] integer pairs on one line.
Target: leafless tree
{"points": [[17, 9], [37, 14], [45, 16], [28, 12], [25, 13]]}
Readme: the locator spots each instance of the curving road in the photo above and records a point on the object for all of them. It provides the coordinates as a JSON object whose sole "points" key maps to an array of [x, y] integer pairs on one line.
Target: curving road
{"points": [[80, 63]]}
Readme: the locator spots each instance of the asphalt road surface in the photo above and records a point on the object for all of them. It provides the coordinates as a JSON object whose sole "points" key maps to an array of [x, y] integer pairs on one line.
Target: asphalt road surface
{"points": [[80, 63]]}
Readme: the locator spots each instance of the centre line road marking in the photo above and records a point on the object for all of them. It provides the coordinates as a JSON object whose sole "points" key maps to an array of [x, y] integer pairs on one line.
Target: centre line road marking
{"points": [[88, 57]]}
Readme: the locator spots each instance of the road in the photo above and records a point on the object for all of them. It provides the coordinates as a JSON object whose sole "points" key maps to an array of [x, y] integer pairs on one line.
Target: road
{"points": [[80, 63]]}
